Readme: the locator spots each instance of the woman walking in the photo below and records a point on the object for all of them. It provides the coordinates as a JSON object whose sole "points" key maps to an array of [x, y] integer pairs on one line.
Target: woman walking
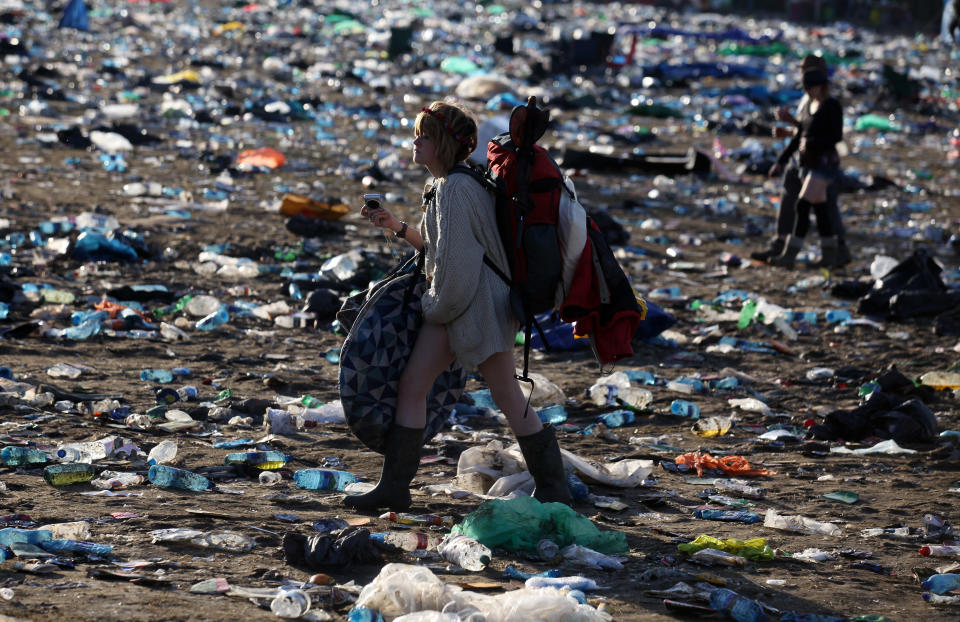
{"points": [[466, 313]]}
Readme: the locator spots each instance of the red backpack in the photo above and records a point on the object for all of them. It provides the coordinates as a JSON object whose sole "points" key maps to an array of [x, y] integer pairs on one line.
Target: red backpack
{"points": [[558, 257]]}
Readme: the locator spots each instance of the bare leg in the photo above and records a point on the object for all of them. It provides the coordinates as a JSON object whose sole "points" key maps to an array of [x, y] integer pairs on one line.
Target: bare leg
{"points": [[499, 370], [431, 355]]}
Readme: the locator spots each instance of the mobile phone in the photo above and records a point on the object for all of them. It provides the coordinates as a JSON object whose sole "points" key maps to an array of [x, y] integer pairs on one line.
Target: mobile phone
{"points": [[372, 200]]}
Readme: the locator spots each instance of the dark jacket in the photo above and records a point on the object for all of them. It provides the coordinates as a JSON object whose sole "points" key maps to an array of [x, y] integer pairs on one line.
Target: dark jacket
{"points": [[820, 133]]}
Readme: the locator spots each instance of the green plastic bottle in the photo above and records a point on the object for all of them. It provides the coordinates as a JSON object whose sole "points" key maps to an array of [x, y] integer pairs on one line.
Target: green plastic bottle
{"points": [[746, 315], [66, 474]]}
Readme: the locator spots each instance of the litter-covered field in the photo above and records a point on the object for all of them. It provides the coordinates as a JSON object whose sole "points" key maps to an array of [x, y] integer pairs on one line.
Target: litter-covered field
{"points": [[179, 213]]}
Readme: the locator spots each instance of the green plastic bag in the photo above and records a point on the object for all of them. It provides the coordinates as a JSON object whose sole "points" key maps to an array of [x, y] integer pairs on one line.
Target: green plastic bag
{"points": [[519, 524]]}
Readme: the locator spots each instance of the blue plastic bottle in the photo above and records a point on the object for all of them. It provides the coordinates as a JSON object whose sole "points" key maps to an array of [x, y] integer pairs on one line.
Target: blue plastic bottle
{"points": [[737, 607], [578, 490], [216, 319], [323, 479], [21, 456], [84, 331], [838, 315], [683, 408], [617, 418], [557, 413], [161, 376], [31, 536], [640, 376], [170, 477], [362, 614], [79, 317], [75, 546]]}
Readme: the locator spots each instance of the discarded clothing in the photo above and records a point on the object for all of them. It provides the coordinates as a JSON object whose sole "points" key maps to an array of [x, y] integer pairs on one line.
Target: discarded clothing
{"points": [[326, 550]]}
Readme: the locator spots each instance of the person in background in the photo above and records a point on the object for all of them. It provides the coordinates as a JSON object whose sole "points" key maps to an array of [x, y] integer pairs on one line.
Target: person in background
{"points": [[466, 314], [836, 252], [950, 23], [820, 130]]}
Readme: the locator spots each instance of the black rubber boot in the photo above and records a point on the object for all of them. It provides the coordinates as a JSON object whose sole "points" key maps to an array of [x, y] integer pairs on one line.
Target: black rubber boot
{"points": [[843, 255], [544, 461], [790, 252], [400, 462], [829, 247], [776, 247]]}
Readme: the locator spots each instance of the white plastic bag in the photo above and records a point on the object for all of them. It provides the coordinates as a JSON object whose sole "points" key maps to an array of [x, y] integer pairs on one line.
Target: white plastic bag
{"points": [[402, 588]]}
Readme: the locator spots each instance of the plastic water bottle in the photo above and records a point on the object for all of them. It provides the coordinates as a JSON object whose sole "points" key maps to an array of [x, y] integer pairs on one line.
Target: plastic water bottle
{"points": [[837, 315], [557, 413], [66, 474], [75, 546], [940, 551], [617, 418], [12, 535], [741, 487], [683, 408], [640, 376], [160, 376], [737, 607], [111, 480], [170, 477], [548, 550], [269, 478], [363, 614], [95, 450], [938, 583], [810, 317], [290, 604], [578, 490], [686, 385], [408, 540], [72, 454], [633, 397], [188, 393], [83, 331], [164, 452], [216, 319], [936, 599], [263, 460], [323, 479], [465, 552], [21, 456]]}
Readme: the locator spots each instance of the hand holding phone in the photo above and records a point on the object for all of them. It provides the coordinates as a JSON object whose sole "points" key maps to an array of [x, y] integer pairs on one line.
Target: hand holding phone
{"points": [[374, 210]]}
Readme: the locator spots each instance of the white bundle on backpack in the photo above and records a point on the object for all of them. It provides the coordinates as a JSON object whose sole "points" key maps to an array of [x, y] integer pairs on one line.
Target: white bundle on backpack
{"points": [[572, 231]]}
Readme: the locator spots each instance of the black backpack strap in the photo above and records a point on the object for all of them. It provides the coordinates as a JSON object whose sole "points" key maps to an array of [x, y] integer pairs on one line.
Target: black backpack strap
{"points": [[420, 258]]}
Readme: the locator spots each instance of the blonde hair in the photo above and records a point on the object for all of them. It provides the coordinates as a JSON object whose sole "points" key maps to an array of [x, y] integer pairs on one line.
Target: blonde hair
{"points": [[452, 128]]}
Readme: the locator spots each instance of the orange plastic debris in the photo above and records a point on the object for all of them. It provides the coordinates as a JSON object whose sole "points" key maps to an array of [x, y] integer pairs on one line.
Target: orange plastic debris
{"points": [[294, 204], [263, 156], [731, 465]]}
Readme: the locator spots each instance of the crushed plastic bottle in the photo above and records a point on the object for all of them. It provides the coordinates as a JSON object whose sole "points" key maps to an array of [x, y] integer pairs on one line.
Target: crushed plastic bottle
{"points": [[290, 604], [800, 524], [323, 479], [170, 477], [465, 552]]}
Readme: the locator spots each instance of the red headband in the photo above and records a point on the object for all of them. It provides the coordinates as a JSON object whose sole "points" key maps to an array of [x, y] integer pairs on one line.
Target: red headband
{"points": [[466, 141]]}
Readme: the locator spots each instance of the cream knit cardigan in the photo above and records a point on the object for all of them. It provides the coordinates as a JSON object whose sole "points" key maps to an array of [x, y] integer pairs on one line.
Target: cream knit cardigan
{"points": [[458, 229]]}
